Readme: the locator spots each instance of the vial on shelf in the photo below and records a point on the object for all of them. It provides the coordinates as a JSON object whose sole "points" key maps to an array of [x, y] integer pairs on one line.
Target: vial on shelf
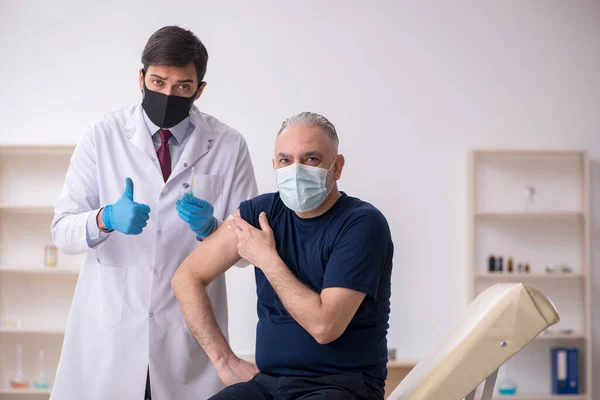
{"points": [[50, 256]]}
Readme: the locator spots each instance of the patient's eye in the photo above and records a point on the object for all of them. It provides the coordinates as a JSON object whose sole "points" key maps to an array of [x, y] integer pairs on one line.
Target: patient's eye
{"points": [[314, 161], [284, 161]]}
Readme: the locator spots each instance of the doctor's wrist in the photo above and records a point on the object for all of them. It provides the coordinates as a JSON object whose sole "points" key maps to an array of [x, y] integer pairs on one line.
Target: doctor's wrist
{"points": [[100, 221]]}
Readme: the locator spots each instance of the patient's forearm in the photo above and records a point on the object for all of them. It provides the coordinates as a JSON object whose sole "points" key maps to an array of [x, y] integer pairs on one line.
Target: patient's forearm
{"points": [[303, 304], [198, 314]]}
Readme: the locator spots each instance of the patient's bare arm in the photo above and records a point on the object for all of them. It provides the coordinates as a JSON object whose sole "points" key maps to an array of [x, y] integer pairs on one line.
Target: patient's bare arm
{"points": [[215, 255]]}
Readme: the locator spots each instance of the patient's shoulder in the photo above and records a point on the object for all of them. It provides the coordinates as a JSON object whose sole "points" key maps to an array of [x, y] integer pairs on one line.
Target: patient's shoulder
{"points": [[364, 216], [251, 209]]}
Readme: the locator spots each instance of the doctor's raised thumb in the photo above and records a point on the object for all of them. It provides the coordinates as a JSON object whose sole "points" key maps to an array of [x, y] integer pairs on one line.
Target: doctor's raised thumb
{"points": [[128, 189]]}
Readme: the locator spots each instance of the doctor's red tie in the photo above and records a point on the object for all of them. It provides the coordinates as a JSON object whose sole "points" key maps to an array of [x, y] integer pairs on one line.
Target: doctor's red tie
{"points": [[164, 156]]}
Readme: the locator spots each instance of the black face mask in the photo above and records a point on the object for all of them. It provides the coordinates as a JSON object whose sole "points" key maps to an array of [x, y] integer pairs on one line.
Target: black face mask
{"points": [[166, 111]]}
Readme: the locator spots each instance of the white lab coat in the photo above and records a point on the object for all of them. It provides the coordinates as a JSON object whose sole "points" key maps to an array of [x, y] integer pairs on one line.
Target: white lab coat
{"points": [[124, 315]]}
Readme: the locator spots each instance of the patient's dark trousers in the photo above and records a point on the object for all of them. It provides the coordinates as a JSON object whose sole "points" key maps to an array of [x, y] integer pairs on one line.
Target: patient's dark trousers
{"points": [[332, 387]]}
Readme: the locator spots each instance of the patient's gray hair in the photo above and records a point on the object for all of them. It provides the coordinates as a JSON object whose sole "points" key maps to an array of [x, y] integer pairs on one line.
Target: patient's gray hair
{"points": [[312, 119]]}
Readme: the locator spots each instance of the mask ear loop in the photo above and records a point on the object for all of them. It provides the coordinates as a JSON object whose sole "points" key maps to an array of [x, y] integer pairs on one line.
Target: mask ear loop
{"points": [[329, 191]]}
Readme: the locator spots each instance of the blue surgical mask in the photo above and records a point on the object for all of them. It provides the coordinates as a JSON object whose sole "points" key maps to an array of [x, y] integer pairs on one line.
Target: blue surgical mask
{"points": [[301, 187]]}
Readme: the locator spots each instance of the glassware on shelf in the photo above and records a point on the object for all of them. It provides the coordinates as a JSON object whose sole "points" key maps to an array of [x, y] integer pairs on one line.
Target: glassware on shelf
{"points": [[530, 192], [12, 322], [506, 386], [19, 381], [41, 382], [562, 268], [50, 256]]}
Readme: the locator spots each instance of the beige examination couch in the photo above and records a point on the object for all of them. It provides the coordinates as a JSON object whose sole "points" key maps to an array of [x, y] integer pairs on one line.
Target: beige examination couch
{"points": [[497, 324]]}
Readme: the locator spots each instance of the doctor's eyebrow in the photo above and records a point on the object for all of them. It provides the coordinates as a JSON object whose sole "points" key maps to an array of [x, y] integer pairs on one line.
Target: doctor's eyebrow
{"points": [[179, 81]]}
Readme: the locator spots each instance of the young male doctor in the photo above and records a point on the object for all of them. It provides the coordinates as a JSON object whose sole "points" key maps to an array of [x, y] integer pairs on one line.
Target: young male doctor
{"points": [[126, 337]]}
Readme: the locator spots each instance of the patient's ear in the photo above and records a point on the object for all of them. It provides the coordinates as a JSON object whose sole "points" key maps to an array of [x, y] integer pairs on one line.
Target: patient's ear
{"points": [[340, 161]]}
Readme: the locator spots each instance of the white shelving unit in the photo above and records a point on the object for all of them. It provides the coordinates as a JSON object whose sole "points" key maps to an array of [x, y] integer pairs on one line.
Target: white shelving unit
{"points": [[31, 178], [554, 228]]}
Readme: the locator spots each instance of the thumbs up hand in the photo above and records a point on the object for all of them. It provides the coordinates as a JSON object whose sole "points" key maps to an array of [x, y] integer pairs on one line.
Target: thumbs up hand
{"points": [[126, 216]]}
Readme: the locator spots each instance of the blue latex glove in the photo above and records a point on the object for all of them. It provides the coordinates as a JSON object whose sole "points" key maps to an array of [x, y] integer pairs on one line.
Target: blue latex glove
{"points": [[198, 214], [125, 215]]}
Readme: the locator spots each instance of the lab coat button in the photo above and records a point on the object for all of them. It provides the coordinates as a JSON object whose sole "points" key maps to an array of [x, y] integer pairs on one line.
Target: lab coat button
{"points": [[162, 194], [155, 272], [159, 232], [151, 315], [152, 158]]}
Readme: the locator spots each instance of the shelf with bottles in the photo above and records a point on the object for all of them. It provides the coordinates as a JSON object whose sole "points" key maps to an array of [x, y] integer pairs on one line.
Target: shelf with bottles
{"points": [[549, 247], [28, 363], [507, 268]]}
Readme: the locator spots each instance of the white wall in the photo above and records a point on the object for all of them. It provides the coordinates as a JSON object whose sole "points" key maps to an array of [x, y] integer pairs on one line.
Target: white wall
{"points": [[410, 86]]}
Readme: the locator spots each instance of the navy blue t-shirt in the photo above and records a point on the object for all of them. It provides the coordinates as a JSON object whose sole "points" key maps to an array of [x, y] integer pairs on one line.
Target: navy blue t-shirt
{"points": [[349, 246]]}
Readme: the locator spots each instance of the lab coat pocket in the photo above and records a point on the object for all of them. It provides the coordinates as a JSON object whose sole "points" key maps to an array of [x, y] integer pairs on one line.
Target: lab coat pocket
{"points": [[210, 188], [107, 294]]}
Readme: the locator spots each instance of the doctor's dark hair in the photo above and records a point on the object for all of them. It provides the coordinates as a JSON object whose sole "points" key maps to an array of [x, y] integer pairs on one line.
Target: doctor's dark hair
{"points": [[175, 47], [312, 119]]}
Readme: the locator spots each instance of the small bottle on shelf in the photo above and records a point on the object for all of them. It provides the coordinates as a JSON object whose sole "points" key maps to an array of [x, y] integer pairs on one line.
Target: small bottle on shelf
{"points": [[492, 263], [50, 256], [527, 268], [520, 267], [510, 264], [499, 266]]}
